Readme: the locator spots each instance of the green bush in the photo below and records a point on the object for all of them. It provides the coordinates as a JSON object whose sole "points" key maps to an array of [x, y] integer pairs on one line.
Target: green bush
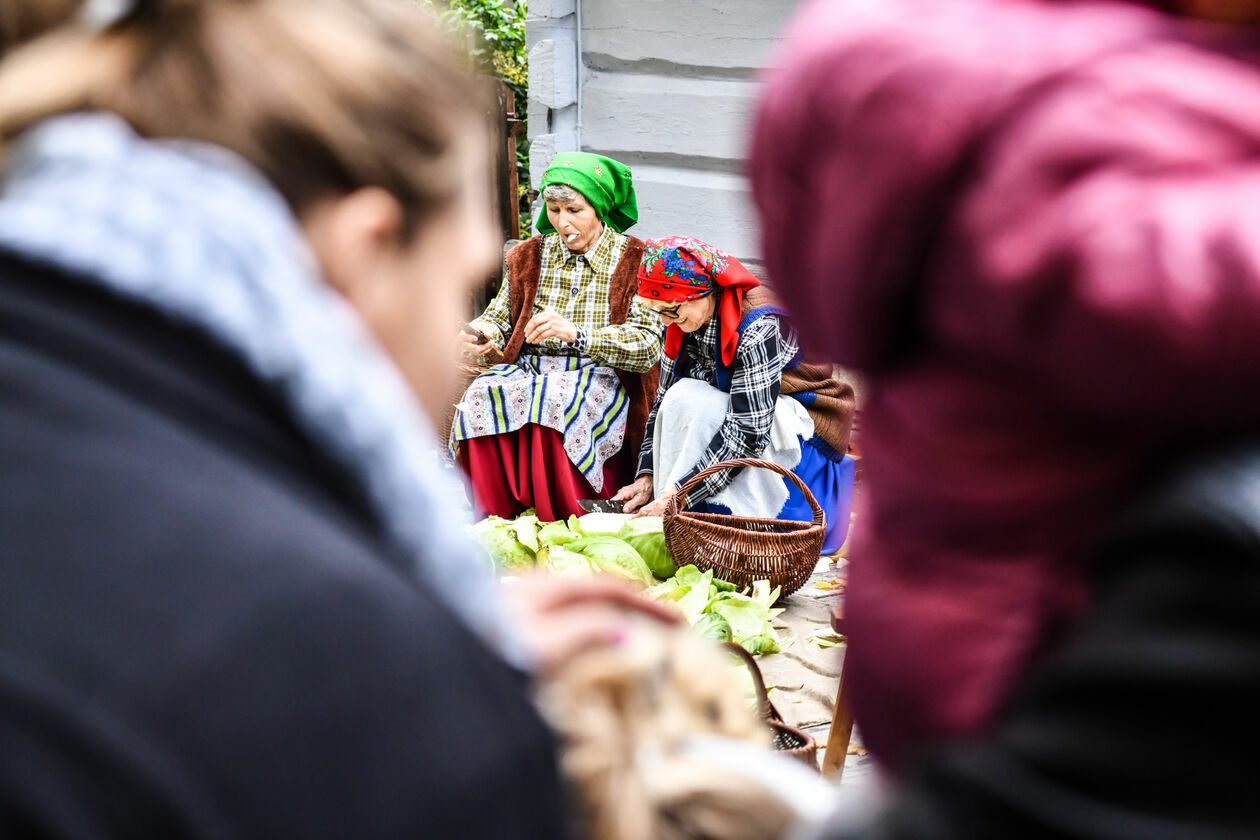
{"points": [[494, 32]]}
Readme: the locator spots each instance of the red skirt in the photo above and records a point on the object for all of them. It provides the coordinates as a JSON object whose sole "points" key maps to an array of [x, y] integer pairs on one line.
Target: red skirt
{"points": [[529, 468]]}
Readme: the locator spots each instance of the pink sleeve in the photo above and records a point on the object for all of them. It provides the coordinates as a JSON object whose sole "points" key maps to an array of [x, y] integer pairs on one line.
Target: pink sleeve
{"points": [[863, 117], [1111, 245]]}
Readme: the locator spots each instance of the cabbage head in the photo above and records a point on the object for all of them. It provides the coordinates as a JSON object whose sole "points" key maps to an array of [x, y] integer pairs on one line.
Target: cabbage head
{"points": [[607, 524], [614, 556], [498, 537], [559, 561], [646, 535]]}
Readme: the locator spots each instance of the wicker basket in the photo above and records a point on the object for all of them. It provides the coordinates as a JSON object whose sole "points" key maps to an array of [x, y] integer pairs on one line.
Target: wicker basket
{"points": [[741, 549], [788, 740]]}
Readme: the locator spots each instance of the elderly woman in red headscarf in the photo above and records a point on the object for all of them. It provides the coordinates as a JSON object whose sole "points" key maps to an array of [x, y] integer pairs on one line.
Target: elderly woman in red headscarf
{"points": [[735, 384]]}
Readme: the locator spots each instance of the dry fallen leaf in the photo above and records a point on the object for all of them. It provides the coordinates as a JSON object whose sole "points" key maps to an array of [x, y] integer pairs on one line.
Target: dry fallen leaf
{"points": [[856, 749], [826, 638], [834, 583]]}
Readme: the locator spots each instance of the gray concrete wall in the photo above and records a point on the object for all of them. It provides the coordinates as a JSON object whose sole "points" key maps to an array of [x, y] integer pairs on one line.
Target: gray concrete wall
{"points": [[666, 86]]}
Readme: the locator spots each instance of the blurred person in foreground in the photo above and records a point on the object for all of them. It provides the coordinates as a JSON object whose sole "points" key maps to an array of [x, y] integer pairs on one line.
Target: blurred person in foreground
{"points": [[660, 742], [20, 22], [236, 603], [1033, 226]]}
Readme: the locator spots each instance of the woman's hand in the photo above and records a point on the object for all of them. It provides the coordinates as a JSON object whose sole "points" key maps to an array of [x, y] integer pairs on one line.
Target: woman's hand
{"points": [[636, 495], [472, 347], [559, 618], [656, 508], [548, 324]]}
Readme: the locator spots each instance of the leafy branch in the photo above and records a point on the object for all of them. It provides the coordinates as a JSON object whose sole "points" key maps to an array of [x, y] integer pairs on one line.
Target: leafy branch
{"points": [[494, 34]]}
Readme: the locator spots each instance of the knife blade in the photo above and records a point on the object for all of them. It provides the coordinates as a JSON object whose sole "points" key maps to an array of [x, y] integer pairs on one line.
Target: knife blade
{"points": [[602, 506]]}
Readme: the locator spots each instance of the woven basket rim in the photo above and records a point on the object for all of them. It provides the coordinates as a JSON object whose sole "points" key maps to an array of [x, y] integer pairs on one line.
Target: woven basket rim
{"points": [[719, 518], [678, 499], [715, 530]]}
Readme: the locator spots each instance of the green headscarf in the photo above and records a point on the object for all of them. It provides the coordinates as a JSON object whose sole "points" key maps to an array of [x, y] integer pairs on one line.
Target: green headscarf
{"points": [[604, 182]]}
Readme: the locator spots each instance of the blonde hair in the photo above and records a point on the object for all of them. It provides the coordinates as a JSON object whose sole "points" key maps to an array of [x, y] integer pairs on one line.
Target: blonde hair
{"points": [[20, 22], [322, 96], [625, 717]]}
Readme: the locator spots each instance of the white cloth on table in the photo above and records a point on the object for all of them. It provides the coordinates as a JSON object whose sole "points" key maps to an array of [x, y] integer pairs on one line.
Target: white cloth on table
{"points": [[690, 414]]}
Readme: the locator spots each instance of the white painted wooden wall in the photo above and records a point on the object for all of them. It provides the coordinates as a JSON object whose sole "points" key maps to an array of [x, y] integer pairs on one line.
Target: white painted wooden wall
{"points": [[667, 87]]}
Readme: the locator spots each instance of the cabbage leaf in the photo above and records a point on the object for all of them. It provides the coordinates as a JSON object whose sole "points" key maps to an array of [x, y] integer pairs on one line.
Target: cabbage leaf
{"points": [[602, 524], [557, 533], [614, 556], [708, 604], [646, 535], [564, 563]]}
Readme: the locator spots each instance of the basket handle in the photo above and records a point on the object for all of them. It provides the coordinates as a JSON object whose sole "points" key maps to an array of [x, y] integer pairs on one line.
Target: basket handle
{"points": [[764, 706], [678, 499]]}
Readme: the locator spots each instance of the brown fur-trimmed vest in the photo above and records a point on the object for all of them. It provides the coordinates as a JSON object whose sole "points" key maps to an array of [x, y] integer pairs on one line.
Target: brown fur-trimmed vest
{"points": [[524, 264], [833, 407]]}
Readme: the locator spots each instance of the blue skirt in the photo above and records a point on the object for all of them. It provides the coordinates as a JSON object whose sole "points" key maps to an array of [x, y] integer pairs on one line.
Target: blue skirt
{"points": [[830, 481]]}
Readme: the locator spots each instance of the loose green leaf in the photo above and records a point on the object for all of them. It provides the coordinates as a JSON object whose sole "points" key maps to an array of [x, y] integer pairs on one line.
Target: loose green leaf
{"points": [[526, 528], [694, 603], [826, 638], [689, 574], [758, 645], [704, 600], [762, 593], [747, 617], [557, 533], [713, 627]]}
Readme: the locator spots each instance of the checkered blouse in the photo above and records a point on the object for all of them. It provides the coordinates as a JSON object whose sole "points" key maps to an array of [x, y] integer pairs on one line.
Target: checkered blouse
{"points": [[576, 286], [766, 347]]}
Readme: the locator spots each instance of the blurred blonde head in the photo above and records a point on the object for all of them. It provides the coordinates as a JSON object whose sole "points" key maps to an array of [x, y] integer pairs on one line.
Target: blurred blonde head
{"points": [[357, 111], [630, 719], [20, 22]]}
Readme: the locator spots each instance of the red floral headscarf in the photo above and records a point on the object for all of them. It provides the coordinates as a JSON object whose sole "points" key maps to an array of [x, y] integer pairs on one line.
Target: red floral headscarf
{"points": [[679, 269]]}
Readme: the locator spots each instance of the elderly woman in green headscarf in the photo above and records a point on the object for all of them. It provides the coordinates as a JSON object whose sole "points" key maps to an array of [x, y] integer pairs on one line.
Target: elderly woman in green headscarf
{"points": [[561, 417]]}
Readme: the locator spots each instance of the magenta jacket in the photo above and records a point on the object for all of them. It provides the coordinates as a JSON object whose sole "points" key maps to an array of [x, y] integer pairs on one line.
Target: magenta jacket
{"points": [[1036, 225]]}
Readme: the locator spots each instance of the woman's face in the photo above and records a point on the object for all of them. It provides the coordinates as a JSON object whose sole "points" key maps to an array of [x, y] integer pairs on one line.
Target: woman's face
{"points": [[689, 316], [577, 223], [413, 295]]}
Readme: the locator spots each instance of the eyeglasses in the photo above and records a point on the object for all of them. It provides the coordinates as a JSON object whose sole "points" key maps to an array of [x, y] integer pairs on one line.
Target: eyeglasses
{"points": [[670, 312]]}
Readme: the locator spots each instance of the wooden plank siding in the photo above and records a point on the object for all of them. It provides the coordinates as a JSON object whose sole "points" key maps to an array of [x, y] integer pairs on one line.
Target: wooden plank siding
{"points": [[668, 87]]}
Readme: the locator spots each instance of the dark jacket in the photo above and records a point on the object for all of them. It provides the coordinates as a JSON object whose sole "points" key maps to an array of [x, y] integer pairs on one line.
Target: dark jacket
{"points": [[201, 632], [1142, 725]]}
